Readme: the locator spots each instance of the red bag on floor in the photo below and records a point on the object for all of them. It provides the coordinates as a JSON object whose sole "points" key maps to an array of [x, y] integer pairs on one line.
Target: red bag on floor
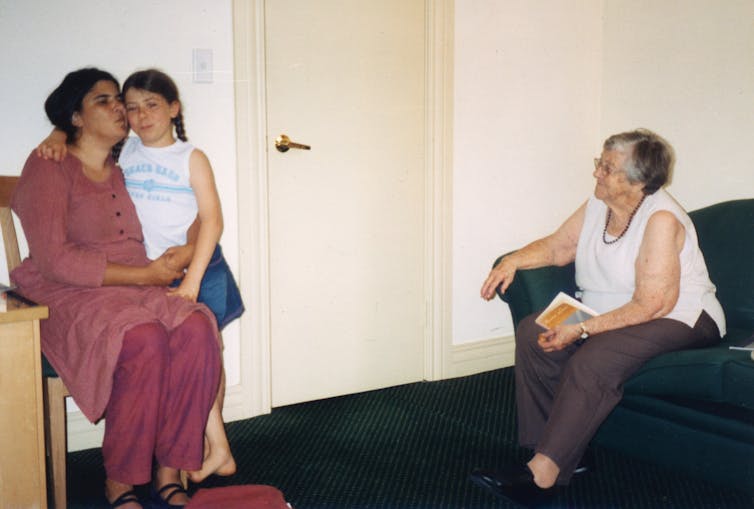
{"points": [[247, 496]]}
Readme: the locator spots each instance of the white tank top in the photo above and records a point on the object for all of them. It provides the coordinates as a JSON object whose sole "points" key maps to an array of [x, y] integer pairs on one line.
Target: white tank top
{"points": [[606, 273], [158, 181]]}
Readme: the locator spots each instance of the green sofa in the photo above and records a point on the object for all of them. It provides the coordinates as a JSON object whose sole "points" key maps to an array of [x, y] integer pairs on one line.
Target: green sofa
{"points": [[691, 410]]}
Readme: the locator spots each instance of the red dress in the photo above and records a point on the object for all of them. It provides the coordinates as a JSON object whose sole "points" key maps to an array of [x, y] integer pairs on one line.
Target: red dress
{"points": [[74, 226]]}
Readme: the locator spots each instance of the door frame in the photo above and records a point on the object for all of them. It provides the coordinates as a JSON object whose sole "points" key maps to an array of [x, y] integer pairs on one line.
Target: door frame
{"points": [[253, 395]]}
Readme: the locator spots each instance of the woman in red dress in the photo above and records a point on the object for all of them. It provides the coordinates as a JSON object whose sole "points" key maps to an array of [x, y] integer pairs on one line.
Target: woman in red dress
{"points": [[147, 362]]}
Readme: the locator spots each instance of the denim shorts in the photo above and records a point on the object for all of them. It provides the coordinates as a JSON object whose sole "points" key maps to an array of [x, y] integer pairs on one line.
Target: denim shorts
{"points": [[219, 291]]}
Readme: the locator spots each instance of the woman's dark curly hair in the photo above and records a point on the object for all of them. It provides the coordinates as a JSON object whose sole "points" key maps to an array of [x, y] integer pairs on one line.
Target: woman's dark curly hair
{"points": [[66, 99]]}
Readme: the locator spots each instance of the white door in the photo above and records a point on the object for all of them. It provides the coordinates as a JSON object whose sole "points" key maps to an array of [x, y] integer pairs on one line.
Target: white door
{"points": [[346, 217]]}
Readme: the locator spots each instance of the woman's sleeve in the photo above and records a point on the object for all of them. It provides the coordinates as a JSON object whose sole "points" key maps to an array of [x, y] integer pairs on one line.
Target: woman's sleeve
{"points": [[41, 203]]}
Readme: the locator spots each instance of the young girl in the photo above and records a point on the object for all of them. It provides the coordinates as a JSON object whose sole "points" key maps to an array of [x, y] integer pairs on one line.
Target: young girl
{"points": [[172, 186], [171, 182]]}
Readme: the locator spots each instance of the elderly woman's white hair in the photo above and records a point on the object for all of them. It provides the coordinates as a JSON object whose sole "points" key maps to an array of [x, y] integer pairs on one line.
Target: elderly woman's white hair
{"points": [[650, 160]]}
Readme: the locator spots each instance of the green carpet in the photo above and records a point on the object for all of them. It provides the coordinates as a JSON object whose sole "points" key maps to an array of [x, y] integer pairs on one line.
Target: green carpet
{"points": [[412, 447]]}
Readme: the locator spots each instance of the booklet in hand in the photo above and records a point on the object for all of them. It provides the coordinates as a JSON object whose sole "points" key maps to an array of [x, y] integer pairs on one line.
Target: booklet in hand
{"points": [[564, 309]]}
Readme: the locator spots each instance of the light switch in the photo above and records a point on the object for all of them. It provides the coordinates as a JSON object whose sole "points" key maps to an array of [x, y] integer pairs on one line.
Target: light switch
{"points": [[202, 65]]}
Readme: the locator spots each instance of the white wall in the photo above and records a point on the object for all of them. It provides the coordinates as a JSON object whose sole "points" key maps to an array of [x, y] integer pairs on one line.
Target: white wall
{"points": [[527, 98], [44, 40], [686, 70]]}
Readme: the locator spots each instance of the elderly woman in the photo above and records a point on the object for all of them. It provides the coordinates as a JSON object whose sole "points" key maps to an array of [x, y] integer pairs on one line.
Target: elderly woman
{"points": [[148, 362], [639, 265]]}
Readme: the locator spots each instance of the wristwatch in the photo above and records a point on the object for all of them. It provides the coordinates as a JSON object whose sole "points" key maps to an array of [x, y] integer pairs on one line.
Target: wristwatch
{"points": [[584, 332]]}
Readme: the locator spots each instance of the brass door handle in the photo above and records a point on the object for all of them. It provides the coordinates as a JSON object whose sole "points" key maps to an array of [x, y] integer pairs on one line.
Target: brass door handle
{"points": [[283, 143]]}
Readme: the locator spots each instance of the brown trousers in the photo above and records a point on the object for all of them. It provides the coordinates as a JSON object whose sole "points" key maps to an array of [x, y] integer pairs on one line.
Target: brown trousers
{"points": [[563, 397]]}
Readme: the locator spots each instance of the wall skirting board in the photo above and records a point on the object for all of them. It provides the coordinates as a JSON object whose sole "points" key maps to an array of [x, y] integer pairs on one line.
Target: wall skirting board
{"points": [[479, 356], [466, 359]]}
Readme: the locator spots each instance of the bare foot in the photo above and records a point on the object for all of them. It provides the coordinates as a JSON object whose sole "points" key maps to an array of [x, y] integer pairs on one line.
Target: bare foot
{"points": [[219, 461], [114, 490]]}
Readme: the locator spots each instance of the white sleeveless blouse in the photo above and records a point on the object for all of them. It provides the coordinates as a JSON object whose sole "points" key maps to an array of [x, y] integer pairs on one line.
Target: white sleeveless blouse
{"points": [[158, 181], [605, 273]]}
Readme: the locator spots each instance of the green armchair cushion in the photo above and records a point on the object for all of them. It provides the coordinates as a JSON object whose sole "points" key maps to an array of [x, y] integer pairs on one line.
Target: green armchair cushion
{"points": [[715, 374]]}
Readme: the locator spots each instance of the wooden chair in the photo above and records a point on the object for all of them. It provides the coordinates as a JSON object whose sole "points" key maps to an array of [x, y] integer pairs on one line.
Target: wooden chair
{"points": [[55, 391]]}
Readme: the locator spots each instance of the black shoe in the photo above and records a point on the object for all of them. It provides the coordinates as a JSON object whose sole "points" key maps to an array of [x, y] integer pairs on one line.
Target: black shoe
{"points": [[124, 498], [161, 498], [586, 463], [513, 483]]}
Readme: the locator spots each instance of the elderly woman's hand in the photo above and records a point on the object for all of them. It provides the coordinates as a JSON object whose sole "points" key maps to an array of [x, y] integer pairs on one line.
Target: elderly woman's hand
{"points": [[556, 339], [500, 276]]}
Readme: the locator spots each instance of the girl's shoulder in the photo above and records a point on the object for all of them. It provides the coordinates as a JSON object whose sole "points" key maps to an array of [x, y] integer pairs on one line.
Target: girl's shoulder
{"points": [[133, 143], [198, 158], [179, 148], [135, 152]]}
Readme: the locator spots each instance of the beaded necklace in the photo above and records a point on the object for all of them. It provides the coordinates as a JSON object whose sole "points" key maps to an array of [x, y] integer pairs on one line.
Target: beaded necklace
{"points": [[630, 218]]}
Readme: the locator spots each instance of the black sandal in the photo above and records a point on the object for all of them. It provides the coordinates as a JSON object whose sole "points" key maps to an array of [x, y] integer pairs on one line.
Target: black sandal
{"points": [[125, 498], [164, 502]]}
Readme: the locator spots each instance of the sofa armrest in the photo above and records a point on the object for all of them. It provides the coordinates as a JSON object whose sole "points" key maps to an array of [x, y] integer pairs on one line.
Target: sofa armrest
{"points": [[533, 289]]}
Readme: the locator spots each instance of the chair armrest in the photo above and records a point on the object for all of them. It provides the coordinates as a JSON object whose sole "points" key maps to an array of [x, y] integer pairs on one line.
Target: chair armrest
{"points": [[533, 289]]}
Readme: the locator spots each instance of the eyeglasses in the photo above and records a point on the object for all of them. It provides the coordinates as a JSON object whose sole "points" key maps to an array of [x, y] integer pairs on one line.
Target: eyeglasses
{"points": [[600, 165]]}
